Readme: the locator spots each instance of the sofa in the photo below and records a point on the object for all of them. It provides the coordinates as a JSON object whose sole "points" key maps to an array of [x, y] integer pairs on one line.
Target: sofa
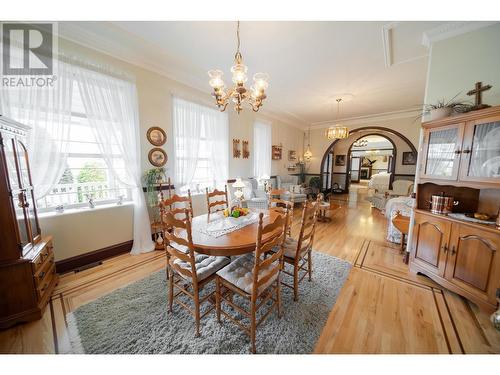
{"points": [[399, 188], [294, 190]]}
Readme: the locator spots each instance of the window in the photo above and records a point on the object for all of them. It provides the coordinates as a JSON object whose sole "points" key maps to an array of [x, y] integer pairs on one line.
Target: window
{"points": [[201, 146], [262, 138], [86, 174]]}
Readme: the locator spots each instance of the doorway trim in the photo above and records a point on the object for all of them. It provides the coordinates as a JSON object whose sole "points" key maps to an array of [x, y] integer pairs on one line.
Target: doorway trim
{"points": [[365, 128]]}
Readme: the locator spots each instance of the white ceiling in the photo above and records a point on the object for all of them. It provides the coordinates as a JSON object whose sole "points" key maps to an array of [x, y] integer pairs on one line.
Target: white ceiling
{"points": [[308, 62]]}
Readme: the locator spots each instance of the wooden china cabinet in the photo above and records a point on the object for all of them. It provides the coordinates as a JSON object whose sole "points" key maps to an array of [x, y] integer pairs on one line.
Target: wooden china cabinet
{"points": [[27, 268], [460, 158]]}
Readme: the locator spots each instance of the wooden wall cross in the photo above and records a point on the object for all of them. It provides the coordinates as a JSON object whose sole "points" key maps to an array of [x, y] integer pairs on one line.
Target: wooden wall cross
{"points": [[478, 93]]}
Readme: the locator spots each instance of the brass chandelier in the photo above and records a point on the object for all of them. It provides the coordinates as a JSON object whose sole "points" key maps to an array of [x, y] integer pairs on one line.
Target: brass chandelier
{"points": [[337, 131], [239, 93]]}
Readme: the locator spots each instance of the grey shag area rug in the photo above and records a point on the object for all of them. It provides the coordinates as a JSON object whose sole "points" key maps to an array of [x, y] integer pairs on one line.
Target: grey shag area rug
{"points": [[134, 319]]}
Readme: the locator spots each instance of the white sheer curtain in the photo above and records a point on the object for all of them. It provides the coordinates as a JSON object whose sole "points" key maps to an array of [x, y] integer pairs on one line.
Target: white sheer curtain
{"points": [[187, 118], [112, 111], [48, 111], [262, 138], [217, 133]]}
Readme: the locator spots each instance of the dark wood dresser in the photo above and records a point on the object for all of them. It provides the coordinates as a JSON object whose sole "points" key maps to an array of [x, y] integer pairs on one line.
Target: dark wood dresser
{"points": [[27, 267], [460, 158]]}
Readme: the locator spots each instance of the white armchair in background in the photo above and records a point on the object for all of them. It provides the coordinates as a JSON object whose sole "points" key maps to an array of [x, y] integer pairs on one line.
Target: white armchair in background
{"points": [[253, 197], [400, 188]]}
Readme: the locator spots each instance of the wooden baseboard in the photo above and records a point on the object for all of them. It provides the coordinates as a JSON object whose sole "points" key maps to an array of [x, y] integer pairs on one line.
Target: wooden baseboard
{"points": [[69, 264]]}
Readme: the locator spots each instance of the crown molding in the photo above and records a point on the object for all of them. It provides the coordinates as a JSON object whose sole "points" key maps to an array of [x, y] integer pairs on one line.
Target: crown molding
{"points": [[452, 29], [377, 117]]}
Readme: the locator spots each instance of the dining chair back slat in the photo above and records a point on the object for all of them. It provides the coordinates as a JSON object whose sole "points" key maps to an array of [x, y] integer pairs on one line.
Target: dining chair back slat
{"points": [[219, 204]]}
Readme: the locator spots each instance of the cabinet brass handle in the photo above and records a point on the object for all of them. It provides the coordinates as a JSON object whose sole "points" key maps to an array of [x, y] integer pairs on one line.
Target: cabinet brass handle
{"points": [[445, 248], [42, 274], [466, 151], [453, 252], [458, 152]]}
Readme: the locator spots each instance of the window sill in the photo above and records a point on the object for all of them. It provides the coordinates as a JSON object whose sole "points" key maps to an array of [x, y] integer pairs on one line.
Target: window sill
{"points": [[83, 210]]}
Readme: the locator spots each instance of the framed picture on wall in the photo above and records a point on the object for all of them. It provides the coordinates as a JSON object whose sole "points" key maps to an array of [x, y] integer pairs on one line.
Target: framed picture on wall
{"points": [[409, 158], [340, 160], [292, 155], [156, 136], [157, 157]]}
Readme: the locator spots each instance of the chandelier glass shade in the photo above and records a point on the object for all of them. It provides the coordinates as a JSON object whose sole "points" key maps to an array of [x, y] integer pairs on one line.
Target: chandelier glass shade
{"points": [[337, 131], [238, 94], [308, 154]]}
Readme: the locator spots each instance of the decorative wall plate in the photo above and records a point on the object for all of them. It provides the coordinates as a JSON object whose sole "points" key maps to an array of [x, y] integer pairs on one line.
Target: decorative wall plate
{"points": [[156, 136], [157, 157]]}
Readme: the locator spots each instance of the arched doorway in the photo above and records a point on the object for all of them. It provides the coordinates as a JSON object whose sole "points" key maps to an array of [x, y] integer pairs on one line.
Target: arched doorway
{"points": [[328, 174], [376, 157]]}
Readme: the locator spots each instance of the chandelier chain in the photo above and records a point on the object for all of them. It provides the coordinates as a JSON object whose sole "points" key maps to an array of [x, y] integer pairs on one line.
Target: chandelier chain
{"points": [[238, 37]]}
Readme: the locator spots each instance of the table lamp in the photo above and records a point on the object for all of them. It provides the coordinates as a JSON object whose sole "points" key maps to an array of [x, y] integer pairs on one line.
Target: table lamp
{"points": [[239, 185]]}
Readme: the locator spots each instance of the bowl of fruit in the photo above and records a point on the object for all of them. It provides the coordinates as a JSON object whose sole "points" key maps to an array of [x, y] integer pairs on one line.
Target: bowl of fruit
{"points": [[236, 212]]}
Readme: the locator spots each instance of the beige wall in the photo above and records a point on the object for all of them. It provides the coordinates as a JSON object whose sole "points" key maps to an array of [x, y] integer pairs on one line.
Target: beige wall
{"points": [[456, 64], [79, 233]]}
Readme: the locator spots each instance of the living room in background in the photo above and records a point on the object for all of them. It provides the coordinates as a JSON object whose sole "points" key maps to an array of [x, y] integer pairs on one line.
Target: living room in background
{"points": [[262, 139], [201, 146]]}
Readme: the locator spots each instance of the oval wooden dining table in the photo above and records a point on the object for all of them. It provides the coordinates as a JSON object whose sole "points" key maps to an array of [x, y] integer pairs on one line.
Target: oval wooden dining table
{"points": [[238, 242]]}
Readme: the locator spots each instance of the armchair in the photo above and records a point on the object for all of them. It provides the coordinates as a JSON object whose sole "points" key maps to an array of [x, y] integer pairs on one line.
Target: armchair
{"points": [[399, 188], [253, 197]]}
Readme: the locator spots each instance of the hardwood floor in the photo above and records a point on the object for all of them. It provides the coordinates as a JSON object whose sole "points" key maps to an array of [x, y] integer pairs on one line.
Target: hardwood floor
{"points": [[382, 308]]}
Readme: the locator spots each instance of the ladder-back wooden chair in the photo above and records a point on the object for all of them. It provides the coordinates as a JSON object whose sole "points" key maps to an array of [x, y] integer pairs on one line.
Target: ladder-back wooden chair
{"points": [[275, 203], [190, 272], [297, 253], [255, 277], [171, 204], [220, 203]]}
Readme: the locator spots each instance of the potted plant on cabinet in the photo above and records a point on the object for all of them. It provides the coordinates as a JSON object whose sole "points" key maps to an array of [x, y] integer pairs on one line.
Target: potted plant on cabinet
{"points": [[443, 108]]}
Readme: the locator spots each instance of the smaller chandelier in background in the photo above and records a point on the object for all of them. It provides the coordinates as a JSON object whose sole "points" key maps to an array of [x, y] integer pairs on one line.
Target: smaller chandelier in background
{"points": [[239, 94], [337, 131], [361, 143]]}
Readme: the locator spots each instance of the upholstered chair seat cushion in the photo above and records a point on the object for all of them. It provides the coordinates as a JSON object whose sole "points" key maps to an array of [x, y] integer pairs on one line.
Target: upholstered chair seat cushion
{"points": [[205, 265], [290, 248], [240, 273], [182, 248]]}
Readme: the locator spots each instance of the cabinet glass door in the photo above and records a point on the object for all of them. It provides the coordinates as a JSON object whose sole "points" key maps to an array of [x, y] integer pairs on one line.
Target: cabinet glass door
{"points": [[443, 152], [22, 223], [10, 158], [31, 215], [481, 153], [22, 155]]}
